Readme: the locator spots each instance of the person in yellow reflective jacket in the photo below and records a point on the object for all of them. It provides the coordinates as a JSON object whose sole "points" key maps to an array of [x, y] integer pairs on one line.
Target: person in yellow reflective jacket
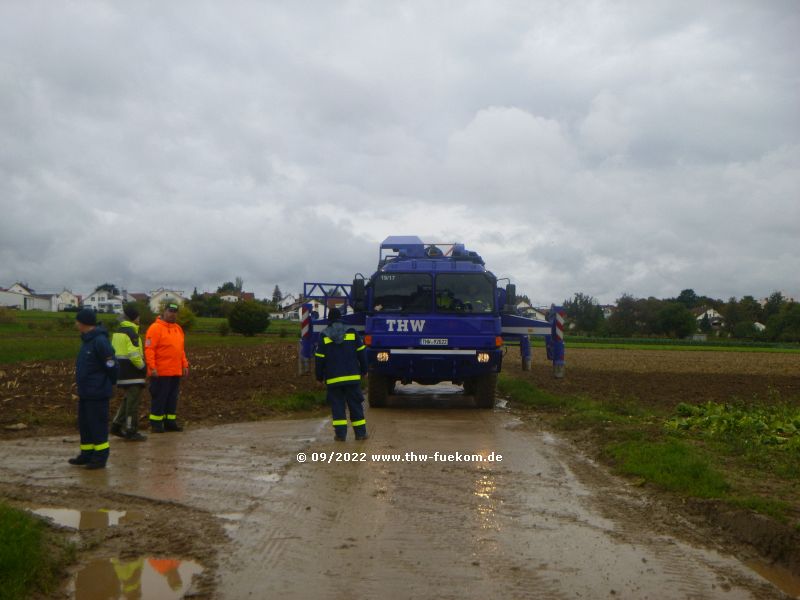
{"points": [[130, 355], [339, 364], [129, 573]]}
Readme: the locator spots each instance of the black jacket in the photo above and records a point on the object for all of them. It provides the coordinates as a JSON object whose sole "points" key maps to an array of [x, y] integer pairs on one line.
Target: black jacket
{"points": [[96, 368], [340, 356]]}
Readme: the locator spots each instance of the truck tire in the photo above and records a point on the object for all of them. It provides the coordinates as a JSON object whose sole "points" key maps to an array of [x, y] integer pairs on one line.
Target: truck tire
{"points": [[469, 387], [485, 390], [378, 388]]}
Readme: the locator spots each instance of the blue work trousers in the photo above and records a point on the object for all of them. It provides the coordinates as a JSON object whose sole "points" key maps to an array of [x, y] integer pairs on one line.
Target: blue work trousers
{"points": [[350, 397], [93, 426], [164, 398]]}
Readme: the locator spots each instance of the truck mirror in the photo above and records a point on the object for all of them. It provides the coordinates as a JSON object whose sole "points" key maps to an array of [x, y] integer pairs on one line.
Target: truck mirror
{"points": [[511, 297], [511, 294], [359, 295]]}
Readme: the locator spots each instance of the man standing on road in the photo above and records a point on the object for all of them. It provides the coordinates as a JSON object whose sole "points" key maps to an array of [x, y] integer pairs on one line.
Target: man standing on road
{"points": [[95, 374], [340, 363], [128, 348], [166, 364]]}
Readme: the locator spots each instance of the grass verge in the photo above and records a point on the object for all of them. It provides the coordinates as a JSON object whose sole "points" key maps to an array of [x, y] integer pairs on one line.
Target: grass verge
{"points": [[32, 558], [34, 335], [745, 454], [670, 464], [293, 402], [18, 347]]}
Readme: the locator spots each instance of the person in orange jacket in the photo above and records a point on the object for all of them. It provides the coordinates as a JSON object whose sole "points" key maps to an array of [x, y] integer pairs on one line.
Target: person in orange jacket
{"points": [[166, 364]]}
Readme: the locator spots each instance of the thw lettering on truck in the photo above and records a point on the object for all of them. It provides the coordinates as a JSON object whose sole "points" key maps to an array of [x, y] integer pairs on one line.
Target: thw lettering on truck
{"points": [[402, 324]]}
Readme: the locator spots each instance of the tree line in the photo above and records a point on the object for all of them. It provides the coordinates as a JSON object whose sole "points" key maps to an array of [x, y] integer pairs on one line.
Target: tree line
{"points": [[212, 305], [248, 317], [678, 317]]}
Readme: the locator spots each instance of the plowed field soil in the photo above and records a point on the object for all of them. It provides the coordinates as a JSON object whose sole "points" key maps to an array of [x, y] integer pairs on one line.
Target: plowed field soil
{"points": [[668, 377], [223, 381], [265, 509]]}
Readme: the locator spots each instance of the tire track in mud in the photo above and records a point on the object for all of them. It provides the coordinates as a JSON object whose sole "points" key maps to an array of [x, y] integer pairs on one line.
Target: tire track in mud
{"points": [[543, 523], [524, 528], [678, 544]]}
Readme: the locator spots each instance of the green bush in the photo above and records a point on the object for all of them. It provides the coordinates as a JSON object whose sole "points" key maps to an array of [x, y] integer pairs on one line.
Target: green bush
{"points": [[186, 318], [249, 318], [146, 314], [7, 317], [224, 328]]}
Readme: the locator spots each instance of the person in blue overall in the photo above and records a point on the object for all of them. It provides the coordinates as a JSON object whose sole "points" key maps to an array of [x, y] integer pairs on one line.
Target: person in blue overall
{"points": [[339, 364], [95, 373]]}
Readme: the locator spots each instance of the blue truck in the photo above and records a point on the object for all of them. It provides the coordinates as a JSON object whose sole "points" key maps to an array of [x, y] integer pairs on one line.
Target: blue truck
{"points": [[431, 312]]}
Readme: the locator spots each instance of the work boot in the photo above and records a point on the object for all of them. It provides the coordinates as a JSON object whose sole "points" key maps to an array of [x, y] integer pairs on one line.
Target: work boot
{"points": [[135, 436], [362, 437], [79, 460], [156, 427], [338, 438], [117, 430], [92, 465], [173, 426]]}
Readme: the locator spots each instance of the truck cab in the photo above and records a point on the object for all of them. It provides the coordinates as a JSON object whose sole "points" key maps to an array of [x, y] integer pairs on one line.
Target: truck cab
{"points": [[431, 312], [432, 315]]}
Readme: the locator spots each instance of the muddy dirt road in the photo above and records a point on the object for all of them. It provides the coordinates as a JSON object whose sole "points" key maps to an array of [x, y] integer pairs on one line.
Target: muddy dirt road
{"points": [[542, 523]]}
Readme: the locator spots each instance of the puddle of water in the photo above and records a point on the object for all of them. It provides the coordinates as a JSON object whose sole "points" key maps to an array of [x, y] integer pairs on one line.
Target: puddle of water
{"points": [[780, 577], [88, 519], [269, 477], [141, 578]]}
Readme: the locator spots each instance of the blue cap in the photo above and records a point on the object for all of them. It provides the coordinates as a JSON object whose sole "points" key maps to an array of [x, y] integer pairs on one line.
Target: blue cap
{"points": [[86, 316]]}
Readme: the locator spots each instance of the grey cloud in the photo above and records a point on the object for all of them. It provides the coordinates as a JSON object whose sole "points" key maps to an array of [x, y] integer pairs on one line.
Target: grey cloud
{"points": [[602, 147]]}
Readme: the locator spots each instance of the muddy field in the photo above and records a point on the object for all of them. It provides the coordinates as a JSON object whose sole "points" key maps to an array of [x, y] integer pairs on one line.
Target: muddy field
{"points": [[262, 522], [222, 382], [668, 377], [234, 499], [219, 389]]}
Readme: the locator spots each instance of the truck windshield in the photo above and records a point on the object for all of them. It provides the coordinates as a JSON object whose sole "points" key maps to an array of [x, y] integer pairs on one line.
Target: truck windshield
{"points": [[464, 293], [402, 292]]}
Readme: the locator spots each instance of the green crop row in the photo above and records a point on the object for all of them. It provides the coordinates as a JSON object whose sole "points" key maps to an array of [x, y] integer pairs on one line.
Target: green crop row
{"points": [[771, 425]]}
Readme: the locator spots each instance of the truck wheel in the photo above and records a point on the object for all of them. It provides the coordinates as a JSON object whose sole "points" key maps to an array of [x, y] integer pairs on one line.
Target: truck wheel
{"points": [[485, 388], [378, 387]]}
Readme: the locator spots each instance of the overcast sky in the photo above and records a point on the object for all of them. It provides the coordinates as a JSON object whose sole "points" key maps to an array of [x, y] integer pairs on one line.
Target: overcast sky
{"points": [[602, 147]]}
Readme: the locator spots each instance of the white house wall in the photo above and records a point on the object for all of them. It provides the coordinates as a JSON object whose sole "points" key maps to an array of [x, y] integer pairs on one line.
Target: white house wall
{"points": [[161, 297], [12, 300], [26, 301]]}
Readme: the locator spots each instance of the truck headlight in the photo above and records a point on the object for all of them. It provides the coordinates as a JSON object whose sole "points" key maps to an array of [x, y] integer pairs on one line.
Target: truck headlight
{"points": [[383, 357], [483, 357]]}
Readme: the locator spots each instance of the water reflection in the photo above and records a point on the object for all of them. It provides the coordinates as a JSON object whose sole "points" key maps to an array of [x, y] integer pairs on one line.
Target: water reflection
{"points": [[484, 489], [88, 519], [137, 579]]}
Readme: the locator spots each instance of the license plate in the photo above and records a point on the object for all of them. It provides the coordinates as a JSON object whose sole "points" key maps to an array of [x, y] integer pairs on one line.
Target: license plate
{"points": [[433, 342]]}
